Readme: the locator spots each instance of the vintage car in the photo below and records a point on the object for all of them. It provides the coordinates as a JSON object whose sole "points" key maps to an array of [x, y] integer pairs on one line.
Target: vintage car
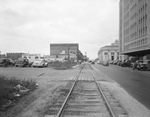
{"points": [[143, 65], [4, 62], [22, 62], [126, 63], [39, 63]]}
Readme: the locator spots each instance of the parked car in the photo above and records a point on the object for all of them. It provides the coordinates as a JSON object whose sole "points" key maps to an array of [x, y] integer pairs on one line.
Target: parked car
{"points": [[147, 63], [143, 65], [4, 62], [12, 62], [92, 62], [40, 63], [111, 62], [30, 62], [126, 63], [115, 62], [22, 62], [119, 62]]}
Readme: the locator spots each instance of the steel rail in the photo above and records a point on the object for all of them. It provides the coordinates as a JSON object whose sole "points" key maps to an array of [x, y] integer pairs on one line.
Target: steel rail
{"points": [[64, 103], [104, 97]]}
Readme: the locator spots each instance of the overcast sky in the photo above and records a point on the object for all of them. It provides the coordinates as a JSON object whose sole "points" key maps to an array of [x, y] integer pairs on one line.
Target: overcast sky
{"points": [[31, 25]]}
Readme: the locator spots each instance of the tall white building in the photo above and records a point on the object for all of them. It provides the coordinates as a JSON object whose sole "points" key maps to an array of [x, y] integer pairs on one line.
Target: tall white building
{"points": [[134, 29]]}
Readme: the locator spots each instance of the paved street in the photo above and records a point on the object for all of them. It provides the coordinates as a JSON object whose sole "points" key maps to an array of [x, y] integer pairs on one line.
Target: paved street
{"points": [[136, 83]]}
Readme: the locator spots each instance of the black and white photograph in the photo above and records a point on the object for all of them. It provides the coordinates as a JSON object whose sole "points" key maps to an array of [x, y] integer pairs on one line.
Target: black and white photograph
{"points": [[74, 58]]}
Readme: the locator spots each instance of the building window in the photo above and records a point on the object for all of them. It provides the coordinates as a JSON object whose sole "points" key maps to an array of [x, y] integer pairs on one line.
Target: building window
{"points": [[105, 53], [112, 53]]}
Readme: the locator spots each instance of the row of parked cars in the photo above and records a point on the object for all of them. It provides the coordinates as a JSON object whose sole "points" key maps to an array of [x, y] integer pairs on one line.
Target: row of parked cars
{"points": [[141, 64], [125, 63], [23, 62]]}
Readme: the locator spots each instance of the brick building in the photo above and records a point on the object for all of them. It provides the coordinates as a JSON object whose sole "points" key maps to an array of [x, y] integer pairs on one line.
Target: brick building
{"points": [[64, 51]]}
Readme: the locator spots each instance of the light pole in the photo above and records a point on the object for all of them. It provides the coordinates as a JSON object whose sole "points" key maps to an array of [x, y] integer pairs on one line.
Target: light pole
{"points": [[68, 53]]}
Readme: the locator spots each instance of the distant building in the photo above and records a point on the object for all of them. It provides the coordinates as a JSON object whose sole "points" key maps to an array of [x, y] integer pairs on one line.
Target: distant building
{"points": [[64, 51], [15, 56], [134, 29], [109, 52], [31, 56]]}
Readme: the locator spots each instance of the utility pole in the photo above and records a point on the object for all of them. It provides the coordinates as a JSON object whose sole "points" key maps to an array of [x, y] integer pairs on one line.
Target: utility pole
{"points": [[68, 53]]}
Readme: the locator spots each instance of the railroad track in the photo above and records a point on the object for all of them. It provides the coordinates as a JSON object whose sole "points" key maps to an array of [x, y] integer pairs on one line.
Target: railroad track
{"points": [[87, 98]]}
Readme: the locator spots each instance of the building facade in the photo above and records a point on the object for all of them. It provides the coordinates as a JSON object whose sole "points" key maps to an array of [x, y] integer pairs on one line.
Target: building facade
{"points": [[109, 52], [134, 29], [64, 51], [16, 56]]}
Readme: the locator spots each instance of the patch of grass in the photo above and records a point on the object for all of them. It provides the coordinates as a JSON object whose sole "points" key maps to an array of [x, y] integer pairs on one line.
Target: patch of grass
{"points": [[62, 65], [7, 88]]}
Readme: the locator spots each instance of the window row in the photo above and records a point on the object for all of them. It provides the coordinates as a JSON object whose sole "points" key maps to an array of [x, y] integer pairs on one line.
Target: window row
{"points": [[141, 32], [133, 16], [142, 23], [138, 43], [143, 8], [143, 19], [133, 35], [133, 7], [133, 26]]}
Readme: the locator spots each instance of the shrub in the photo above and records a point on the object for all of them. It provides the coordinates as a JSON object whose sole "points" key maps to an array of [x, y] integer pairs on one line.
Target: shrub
{"points": [[7, 88], [62, 65]]}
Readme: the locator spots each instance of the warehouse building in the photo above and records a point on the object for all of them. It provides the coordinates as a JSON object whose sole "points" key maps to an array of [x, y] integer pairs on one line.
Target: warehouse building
{"points": [[64, 51]]}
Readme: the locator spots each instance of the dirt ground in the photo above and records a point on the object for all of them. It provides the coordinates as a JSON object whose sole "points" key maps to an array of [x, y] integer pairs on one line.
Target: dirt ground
{"points": [[34, 104], [37, 103]]}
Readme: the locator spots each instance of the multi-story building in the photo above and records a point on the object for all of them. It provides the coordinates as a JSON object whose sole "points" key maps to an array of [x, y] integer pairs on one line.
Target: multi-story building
{"points": [[134, 29], [109, 52], [62, 51]]}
